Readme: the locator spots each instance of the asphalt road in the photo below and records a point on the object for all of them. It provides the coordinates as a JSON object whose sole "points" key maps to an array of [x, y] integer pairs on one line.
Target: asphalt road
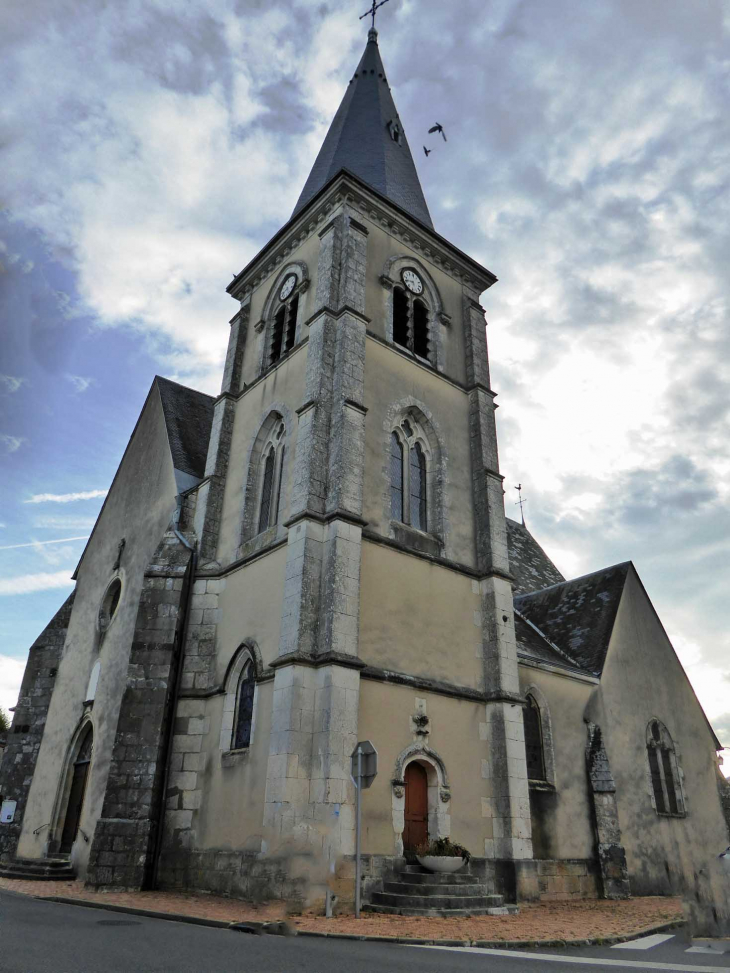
{"points": [[47, 937]]}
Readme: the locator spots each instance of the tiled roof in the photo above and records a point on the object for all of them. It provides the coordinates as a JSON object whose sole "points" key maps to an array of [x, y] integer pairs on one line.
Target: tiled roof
{"points": [[578, 615], [529, 564], [533, 644], [188, 417], [360, 139]]}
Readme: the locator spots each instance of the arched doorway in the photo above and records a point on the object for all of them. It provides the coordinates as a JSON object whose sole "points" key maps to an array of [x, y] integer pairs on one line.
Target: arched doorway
{"points": [[415, 831], [79, 775]]}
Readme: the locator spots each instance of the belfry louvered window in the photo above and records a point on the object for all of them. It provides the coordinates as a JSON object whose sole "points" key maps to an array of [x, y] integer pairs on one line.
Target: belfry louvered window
{"points": [[411, 323], [284, 329], [408, 477], [664, 774]]}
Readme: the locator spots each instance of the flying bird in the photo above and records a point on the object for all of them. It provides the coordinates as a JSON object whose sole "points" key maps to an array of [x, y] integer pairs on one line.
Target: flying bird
{"points": [[427, 151], [438, 128]]}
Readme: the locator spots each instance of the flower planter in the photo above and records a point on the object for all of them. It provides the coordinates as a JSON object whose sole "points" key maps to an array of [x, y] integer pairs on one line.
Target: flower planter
{"points": [[440, 863]]}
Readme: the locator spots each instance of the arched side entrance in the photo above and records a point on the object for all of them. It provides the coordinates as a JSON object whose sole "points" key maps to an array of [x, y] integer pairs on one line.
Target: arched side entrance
{"points": [[421, 798], [76, 788]]}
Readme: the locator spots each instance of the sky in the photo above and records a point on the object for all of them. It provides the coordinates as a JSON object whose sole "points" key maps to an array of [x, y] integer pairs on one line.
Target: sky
{"points": [[150, 149]]}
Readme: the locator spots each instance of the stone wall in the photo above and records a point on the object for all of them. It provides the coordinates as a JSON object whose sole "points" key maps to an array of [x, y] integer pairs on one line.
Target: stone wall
{"points": [[723, 787], [125, 839], [29, 721], [611, 854]]}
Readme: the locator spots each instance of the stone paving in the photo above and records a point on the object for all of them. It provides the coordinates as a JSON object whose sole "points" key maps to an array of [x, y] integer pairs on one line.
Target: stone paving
{"points": [[556, 921]]}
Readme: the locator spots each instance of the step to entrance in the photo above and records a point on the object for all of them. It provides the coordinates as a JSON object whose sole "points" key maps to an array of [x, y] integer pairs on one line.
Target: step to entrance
{"points": [[416, 892], [38, 869]]}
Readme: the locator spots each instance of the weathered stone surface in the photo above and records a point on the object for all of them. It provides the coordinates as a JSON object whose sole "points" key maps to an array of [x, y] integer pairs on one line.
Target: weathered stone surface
{"points": [[610, 851]]}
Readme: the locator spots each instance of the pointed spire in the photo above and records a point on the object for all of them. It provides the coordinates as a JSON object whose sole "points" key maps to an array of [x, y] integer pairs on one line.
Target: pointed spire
{"points": [[366, 136]]}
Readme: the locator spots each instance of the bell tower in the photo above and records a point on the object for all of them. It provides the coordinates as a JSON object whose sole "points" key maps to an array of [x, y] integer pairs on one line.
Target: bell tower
{"points": [[356, 431]]}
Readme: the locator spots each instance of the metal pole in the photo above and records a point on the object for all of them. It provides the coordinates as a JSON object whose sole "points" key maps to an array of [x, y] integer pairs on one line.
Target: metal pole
{"points": [[357, 834]]}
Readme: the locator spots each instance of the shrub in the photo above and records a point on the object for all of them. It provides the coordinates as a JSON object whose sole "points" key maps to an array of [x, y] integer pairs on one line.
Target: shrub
{"points": [[443, 848]]}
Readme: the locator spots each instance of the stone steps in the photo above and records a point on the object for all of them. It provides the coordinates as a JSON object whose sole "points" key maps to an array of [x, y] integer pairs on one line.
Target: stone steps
{"points": [[416, 892], [38, 869]]}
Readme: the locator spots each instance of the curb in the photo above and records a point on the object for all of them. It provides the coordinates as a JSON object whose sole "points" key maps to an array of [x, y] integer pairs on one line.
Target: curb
{"points": [[258, 928]]}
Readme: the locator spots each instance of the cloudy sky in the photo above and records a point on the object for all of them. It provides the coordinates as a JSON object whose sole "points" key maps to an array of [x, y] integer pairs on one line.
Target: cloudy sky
{"points": [[149, 150]]}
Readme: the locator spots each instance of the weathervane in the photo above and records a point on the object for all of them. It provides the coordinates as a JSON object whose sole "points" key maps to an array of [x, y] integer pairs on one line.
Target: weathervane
{"points": [[371, 11], [520, 502]]}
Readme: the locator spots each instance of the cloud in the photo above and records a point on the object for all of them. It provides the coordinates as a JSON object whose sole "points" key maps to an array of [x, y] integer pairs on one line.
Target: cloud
{"points": [[12, 443], [62, 540], [12, 382], [27, 583], [11, 676], [64, 523], [65, 497], [80, 383]]}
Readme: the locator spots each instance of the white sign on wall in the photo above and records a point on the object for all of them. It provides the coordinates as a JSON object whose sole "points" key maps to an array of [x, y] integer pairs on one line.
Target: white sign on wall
{"points": [[7, 812]]}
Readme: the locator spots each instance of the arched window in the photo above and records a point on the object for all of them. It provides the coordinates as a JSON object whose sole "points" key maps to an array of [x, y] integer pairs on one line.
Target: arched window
{"points": [[664, 770], [284, 324], [244, 709], [409, 476], [411, 315], [396, 477], [267, 488], [272, 477], [534, 750], [418, 488]]}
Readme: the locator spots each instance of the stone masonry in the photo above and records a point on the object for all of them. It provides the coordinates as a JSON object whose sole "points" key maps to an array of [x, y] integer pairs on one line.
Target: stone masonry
{"points": [[126, 835], [610, 852], [26, 732]]}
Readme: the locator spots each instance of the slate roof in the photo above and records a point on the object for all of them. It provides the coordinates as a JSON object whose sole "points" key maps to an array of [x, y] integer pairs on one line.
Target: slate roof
{"points": [[578, 615], [359, 140], [188, 418], [529, 564], [533, 644]]}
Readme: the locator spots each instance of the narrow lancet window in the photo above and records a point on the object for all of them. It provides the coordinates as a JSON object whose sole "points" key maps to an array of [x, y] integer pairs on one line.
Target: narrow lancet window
{"points": [[278, 486], [418, 488], [663, 770], [396, 478], [400, 317], [266, 490], [277, 335], [291, 324], [244, 710], [533, 740]]}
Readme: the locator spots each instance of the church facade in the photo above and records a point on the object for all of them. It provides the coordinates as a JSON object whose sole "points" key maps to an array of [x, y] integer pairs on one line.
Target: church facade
{"points": [[320, 555]]}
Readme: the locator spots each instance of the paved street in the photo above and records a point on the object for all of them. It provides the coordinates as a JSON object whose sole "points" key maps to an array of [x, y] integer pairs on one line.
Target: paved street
{"points": [[46, 937]]}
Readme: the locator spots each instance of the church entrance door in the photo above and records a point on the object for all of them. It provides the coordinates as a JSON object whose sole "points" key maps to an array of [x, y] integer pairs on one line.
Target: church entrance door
{"points": [[76, 794], [415, 832]]}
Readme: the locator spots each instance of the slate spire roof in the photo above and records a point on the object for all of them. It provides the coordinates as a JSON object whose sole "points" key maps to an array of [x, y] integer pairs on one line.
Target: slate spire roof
{"points": [[366, 137]]}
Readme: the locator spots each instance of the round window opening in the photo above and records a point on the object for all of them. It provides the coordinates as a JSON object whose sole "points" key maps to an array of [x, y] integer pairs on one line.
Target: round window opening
{"points": [[109, 605]]}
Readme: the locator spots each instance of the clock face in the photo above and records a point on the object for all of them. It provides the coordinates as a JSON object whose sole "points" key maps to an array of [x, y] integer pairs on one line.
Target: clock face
{"points": [[412, 281], [287, 287]]}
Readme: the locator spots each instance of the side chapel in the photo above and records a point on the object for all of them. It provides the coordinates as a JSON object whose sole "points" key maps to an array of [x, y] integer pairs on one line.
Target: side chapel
{"points": [[320, 555]]}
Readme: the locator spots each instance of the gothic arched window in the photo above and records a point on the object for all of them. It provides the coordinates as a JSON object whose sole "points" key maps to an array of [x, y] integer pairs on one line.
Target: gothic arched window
{"points": [[534, 749], [411, 316], [271, 480], [664, 770], [418, 488], [396, 477], [244, 709], [409, 476]]}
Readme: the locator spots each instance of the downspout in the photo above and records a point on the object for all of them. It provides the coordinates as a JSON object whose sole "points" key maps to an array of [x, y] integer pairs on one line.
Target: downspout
{"points": [[192, 568]]}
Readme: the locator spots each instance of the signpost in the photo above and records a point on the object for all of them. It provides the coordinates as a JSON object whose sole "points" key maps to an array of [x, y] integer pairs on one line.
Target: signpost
{"points": [[364, 770]]}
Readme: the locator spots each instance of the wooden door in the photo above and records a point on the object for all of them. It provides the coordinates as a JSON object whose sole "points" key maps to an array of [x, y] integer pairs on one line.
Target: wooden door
{"points": [[75, 804], [415, 832]]}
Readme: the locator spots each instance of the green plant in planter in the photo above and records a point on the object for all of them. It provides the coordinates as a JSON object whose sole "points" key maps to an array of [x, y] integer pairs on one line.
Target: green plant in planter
{"points": [[443, 848]]}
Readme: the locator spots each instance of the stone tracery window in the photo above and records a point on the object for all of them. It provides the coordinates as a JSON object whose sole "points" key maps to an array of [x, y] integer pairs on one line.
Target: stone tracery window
{"points": [[664, 770], [271, 479], [409, 476]]}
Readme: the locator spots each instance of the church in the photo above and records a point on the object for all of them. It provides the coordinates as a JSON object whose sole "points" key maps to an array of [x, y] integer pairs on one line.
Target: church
{"points": [[318, 556]]}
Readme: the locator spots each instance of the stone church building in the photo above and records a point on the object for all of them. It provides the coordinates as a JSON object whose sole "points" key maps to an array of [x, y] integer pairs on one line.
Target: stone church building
{"points": [[320, 555]]}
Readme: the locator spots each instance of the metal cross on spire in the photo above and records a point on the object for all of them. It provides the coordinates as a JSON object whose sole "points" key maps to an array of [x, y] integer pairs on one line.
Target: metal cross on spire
{"points": [[520, 502], [371, 11]]}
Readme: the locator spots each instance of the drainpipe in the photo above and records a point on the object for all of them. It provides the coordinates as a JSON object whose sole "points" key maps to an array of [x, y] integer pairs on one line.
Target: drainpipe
{"points": [[192, 568]]}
